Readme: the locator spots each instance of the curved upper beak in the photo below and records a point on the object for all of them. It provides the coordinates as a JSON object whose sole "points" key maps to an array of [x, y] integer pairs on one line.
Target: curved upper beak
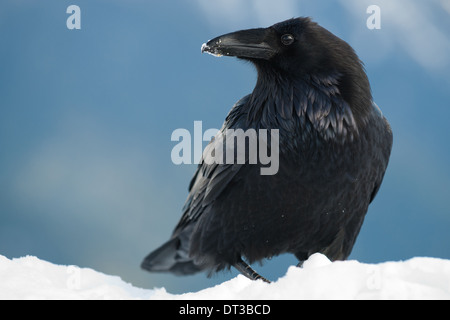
{"points": [[249, 43]]}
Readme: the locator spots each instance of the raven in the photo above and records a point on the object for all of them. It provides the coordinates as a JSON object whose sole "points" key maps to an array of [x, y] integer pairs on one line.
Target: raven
{"points": [[334, 147]]}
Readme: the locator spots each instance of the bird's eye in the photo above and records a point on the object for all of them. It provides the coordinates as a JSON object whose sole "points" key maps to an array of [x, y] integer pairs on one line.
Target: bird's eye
{"points": [[287, 39]]}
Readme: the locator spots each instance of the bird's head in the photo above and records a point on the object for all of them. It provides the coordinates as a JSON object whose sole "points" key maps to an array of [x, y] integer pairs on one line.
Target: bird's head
{"points": [[295, 48]]}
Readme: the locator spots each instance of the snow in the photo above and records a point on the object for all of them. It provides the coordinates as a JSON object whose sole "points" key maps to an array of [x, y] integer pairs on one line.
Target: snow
{"points": [[205, 48], [319, 278]]}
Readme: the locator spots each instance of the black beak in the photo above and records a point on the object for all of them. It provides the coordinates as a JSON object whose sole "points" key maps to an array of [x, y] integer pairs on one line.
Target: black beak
{"points": [[250, 44]]}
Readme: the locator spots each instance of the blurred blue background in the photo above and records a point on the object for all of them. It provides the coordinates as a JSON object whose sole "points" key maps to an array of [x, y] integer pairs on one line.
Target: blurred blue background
{"points": [[86, 118]]}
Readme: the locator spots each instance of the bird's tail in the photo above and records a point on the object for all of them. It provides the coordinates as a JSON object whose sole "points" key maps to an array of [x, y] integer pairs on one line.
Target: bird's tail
{"points": [[170, 257]]}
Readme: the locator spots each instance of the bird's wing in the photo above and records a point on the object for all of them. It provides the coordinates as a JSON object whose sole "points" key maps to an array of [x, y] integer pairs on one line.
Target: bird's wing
{"points": [[210, 179]]}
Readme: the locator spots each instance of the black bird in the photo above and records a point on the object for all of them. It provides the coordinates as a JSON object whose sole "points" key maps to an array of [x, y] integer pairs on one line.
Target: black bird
{"points": [[334, 147]]}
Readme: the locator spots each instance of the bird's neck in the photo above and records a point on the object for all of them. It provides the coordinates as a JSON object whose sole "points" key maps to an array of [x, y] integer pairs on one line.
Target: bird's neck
{"points": [[313, 102]]}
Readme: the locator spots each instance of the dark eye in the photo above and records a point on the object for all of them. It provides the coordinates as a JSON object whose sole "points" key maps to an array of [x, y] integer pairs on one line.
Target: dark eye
{"points": [[287, 39]]}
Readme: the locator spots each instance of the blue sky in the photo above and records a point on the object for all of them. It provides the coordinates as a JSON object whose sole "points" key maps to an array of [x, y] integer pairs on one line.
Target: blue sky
{"points": [[86, 118]]}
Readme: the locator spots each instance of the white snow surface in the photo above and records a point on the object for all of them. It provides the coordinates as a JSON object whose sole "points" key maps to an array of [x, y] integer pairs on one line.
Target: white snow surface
{"points": [[319, 278]]}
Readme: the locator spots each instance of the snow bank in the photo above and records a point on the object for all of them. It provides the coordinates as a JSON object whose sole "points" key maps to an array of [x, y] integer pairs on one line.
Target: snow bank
{"points": [[417, 278]]}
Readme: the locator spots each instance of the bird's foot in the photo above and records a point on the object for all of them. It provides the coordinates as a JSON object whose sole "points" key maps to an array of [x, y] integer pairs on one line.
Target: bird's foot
{"points": [[247, 271]]}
